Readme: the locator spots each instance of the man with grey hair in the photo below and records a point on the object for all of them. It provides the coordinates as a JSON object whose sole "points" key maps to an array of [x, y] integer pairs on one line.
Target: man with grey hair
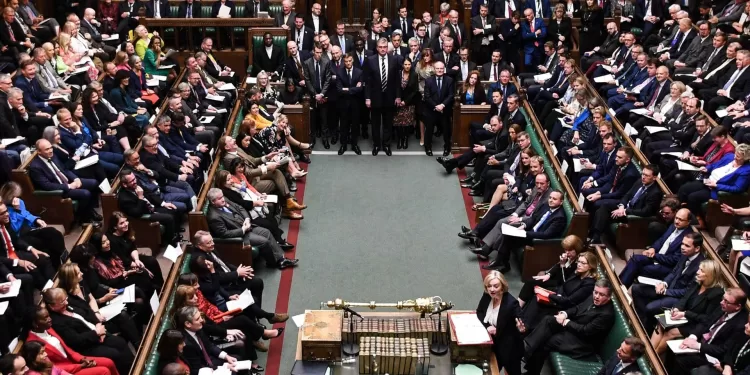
{"points": [[199, 351], [285, 19], [48, 78], [458, 30], [227, 219], [191, 109], [29, 123], [382, 95]]}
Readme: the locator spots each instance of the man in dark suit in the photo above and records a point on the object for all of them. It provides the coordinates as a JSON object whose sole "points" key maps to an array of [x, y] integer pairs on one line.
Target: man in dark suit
{"points": [[169, 170], [577, 332], [603, 51], [730, 86], [32, 18], [229, 220], [397, 48], [555, 87], [268, 57], [438, 101], [302, 34], [293, 65], [350, 92], [505, 87], [382, 95], [360, 54], [625, 360], [77, 333], [199, 351], [533, 33], [709, 79], [48, 174], [432, 30], [286, 18], [651, 95], [479, 132], [214, 66], [492, 146], [449, 58], [697, 52], [642, 200], [457, 29], [252, 8], [317, 21], [128, 11], [509, 37], [318, 83], [157, 9], [504, 8], [341, 39], [650, 300], [403, 22], [483, 31], [712, 56], [617, 183], [189, 9], [34, 95], [650, 18], [436, 44], [547, 222], [135, 202], [465, 66], [736, 359]]}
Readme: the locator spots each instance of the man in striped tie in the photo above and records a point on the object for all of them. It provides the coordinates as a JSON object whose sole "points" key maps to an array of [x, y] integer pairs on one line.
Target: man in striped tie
{"points": [[382, 95]]}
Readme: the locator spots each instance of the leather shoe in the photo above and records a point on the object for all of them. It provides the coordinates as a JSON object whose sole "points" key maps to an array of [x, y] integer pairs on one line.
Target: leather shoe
{"points": [[356, 150], [491, 266], [326, 145], [293, 186], [467, 235], [375, 151], [286, 246], [475, 193], [440, 160], [387, 149], [446, 152], [467, 180], [286, 263], [342, 149], [257, 369], [291, 215], [334, 140], [279, 318], [260, 346], [428, 152], [305, 159], [465, 229], [471, 164]]}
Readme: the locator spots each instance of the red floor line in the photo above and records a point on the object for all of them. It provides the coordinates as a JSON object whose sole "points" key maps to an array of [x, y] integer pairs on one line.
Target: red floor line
{"points": [[468, 202], [273, 362]]}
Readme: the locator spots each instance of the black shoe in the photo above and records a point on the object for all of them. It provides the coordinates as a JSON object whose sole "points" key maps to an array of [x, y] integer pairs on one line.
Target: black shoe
{"points": [[475, 193], [465, 229], [440, 160], [476, 186], [446, 152], [334, 140], [387, 149], [286, 246], [342, 149], [356, 150], [326, 145], [504, 268], [305, 159], [287, 262], [375, 151], [398, 144], [480, 252], [406, 142], [467, 180], [95, 216], [468, 235], [471, 164], [428, 152]]}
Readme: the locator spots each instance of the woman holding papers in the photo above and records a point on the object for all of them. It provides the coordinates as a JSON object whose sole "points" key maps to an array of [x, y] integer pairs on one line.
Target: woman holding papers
{"points": [[559, 273], [122, 101], [154, 58], [572, 292], [138, 83], [499, 311], [111, 269], [70, 279], [569, 104], [101, 119], [697, 306], [122, 240], [70, 57], [671, 103], [731, 174], [81, 140]]}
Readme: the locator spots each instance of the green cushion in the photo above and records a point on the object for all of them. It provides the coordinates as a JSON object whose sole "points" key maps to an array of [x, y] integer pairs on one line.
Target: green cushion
{"points": [[274, 9]]}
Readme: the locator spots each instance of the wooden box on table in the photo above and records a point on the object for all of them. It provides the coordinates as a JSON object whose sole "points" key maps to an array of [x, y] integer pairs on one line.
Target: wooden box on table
{"points": [[477, 353], [321, 335]]}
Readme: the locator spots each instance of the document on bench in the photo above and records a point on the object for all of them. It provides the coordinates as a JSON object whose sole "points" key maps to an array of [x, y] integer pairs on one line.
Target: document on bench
{"points": [[10, 141], [686, 166], [245, 300], [673, 153], [512, 231], [227, 87], [721, 113], [673, 322], [542, 77], [739, 244], [172, 253], [112, 37], [606, 67], [15, 287], [128, 295], [207, 119], [224, 11], [105, 187], [83, 163], [59, 96], [154, 301], [216, 98], [3, 307], [640, 111], [675, 346], [649, 281], [656, 129], [152, 82], [112, 310], [469, 330], [604, 79]]}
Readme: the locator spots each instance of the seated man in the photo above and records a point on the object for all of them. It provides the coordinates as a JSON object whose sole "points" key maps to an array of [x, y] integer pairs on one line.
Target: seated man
{"points": [[625, 360], [136, 203], [188, 135], [620, 97], [650, 300], [156, 158], [49, 79], [649, 96], [605, 163], [264, 175], [479, 132], [84, 333], [197, 160], [178, 192], [493, 146], [218, 69], [201, 92], [616, 184], [731, 86], [641, 200], [657, 261], [34, 95], [49, 174], [207, 133], [629, 68], [229, 220], [30, 124], [577, 332], [681, 132], [199, 351], [549, 221]]}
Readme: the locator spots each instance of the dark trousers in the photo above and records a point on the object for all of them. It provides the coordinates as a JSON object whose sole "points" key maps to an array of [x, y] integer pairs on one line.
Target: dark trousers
{"points": [[333, 117], [166, 218], [478, 133], [382, 120], [250, 328], [114, 348], [641, 265], [349, 124], [442, 120], [694, 193], [47, 239], [493, 215], [44, 270], [603, 218], [319, 120], [125, 326], [648, 304], [87, 196], [272, 227], [550, 336]]}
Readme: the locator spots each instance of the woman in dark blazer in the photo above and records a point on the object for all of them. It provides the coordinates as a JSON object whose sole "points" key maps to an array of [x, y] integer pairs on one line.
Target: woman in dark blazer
{"points": [[101, 119], [498, 310], [404, 119], [558, 274], [122, 101], [170, 350], [592, 24], [473, 91], [572, 292], [698, 305], [560, 28]]}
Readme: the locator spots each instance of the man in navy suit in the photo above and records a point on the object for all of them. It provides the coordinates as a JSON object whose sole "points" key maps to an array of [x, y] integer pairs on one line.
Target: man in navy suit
{"points": [[157, 9], [33, 92], [541, 8], [620, 179], [650, 18], [49, 174], [604, 165], [662, 255], [650, 300], [349, 88], [438, 102], [627, 78], [403, 22], [649, 96], [547, 222], [731, 86], [533, 33], [382, 94], [625, 360]]}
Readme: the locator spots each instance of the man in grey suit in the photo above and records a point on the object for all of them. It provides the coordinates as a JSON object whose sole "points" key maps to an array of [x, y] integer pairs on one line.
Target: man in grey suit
{"points": [[318, 77], [433, 29], [229, 220], [697, 52], [31, 18], [285, 19], [48, 79]]}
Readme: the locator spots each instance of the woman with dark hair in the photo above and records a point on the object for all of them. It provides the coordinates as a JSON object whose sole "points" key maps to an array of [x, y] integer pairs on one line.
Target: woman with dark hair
{"points": [[138, 87], [122, 101], [291, 94], [154, 58], [102, 119], [84, 256], [404, 119], [37, 361], [592, 24], [170, 347], [252, 201], [70, 279], [557, 274], [122, 240], [472, 91], [78, 138], [111, 268]]}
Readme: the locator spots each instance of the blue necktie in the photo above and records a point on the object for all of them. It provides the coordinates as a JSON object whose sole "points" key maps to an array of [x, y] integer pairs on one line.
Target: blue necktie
{"points": [[542, 220], [636, 196]]}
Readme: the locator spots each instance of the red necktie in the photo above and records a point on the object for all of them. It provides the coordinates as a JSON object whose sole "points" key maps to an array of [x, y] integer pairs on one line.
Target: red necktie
{"points": [[203, 349], [9, 244], [711, 332], [533, 204], [614, 182], [536, 43]]}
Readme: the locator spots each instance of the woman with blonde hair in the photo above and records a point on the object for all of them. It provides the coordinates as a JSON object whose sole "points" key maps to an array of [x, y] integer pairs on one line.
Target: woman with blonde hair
{"points": [[699, 304], [569, 294], [70, 57], [556, 275], [499, 311], [267, 91], [569, 105], [141, 40], [279, 138]]}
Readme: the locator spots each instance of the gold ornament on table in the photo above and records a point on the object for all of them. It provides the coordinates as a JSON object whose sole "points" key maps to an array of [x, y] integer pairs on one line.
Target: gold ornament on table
{"points": [[422, 305]]}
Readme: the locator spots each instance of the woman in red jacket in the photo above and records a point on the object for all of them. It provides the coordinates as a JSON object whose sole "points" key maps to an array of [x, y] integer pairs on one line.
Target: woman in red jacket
{"points": [[60, 354]]}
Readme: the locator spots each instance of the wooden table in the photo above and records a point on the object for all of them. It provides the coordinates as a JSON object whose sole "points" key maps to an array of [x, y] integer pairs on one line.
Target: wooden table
{"points": [[439, 365]]}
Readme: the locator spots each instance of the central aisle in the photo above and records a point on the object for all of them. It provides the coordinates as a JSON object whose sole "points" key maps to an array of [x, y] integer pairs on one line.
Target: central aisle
{"points": [[378, 229]]}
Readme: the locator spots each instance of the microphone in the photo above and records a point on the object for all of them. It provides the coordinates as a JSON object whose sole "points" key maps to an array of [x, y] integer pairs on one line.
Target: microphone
{"points": [[350, 311]]}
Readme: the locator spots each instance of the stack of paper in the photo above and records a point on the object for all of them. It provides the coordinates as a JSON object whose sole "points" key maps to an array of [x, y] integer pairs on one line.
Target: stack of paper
{"points": [[15, 287], [213, 97], [111, 37], [739, 244], [10, 141], [542, 77], [604, 78], [649, 281], [686, 166], [227, 87], [674, 345], [112, 310], [469, 330], [512, 231], [245, 300], [83, 163]]}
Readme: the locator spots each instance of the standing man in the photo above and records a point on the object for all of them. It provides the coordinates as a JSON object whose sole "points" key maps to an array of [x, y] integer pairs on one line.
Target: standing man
{"points": [[349, 88], [382, 95], [438, 101], [533, 33], [317, 78], [483, 30], [316, 21]]}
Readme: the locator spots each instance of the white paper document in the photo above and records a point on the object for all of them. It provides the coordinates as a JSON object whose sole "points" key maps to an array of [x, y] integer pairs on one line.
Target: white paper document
{"points": [[227, 87], [152, 82], [581, 199], [111, 37], [112, 310], [224, 11], [640, 111], [606, 67], [577, 164], [105, 187], [170, 66], [542, 77], [13, 344], [675, 346], [674, 153], [128, 295], [217, 98], [251, 80], [712, 360], [15, 287], [649, 281], [159, 78], [154, 301], [604, 79], [721, 113], [271, 199], [656, 129], [299, 320], [739, 244], [673, 322], [207, 119], [83, 163], [172, 253], [62, 97], [10, 141], [686, 166], [243, 365], [745, 266], [612, 112], [564, 166], [512, 231], [3, 307], [469, 330], [630, 130], [245, 300], [48, 285]]}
